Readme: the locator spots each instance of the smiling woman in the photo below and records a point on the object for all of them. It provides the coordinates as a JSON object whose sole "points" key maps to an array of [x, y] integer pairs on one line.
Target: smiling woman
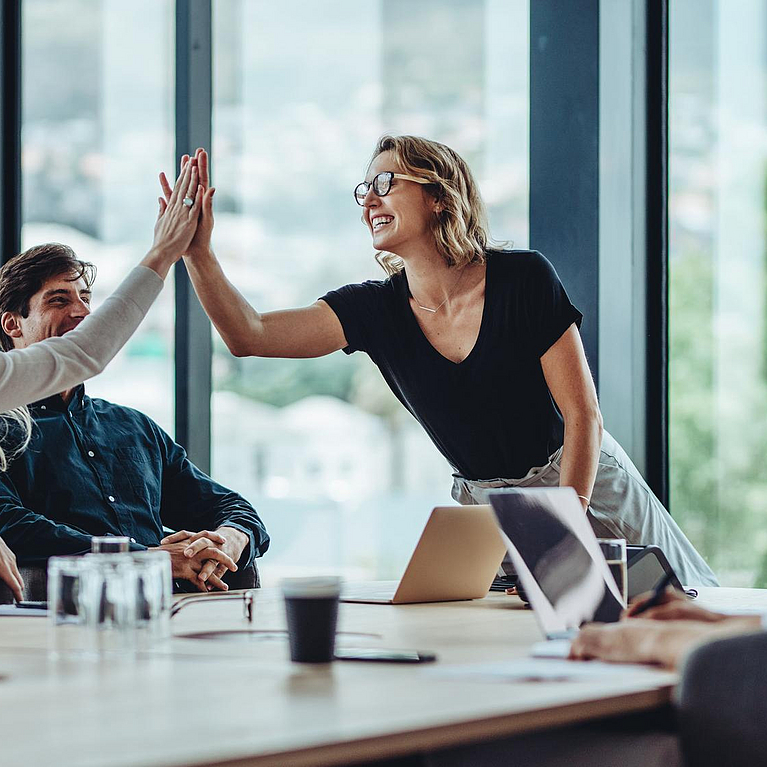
{"points": [[487, 358]]}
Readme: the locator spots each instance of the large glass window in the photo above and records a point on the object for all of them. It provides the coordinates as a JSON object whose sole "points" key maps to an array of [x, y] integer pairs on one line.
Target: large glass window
{"points": [[97, 127], [718, 282], [342, 475]]}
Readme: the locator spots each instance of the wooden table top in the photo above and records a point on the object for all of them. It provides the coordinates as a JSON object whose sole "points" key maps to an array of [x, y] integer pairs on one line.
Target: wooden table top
{"points": [[238, 700]]}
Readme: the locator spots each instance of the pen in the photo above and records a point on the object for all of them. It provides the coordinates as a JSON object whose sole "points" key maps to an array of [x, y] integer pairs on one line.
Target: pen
{"points": [[657, 593]]}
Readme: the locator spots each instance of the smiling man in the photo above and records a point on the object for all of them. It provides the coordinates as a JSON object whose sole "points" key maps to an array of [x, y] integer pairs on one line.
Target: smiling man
{"points": [[96, 468]]}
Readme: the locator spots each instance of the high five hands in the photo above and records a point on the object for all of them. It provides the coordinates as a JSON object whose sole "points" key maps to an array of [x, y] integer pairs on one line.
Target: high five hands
{"points": [[200, 243], [177, 220]]}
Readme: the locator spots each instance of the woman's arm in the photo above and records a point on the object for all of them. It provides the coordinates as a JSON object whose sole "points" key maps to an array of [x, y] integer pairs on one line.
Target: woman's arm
{"points": [[56, 364], [9, 571], [312, 331], [569, 380]]}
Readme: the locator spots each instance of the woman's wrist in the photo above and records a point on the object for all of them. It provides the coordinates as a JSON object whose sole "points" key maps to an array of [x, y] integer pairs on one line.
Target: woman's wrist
{"points": [[201, 256]]}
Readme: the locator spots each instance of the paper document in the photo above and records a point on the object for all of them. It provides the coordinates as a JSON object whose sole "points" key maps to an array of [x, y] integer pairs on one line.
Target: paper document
{"points": [[542, 670], [21, 612]]}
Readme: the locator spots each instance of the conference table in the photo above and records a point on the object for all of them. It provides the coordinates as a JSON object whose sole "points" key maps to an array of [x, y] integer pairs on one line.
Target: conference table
{"points": [[222, 691]]}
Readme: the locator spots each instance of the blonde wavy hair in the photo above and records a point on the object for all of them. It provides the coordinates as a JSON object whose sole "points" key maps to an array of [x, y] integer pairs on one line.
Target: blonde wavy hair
{"points": [[460, 227], [9, 420]]}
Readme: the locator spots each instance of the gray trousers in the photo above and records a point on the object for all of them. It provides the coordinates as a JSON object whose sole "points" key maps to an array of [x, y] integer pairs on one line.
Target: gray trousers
{"points": [[622, 506]]}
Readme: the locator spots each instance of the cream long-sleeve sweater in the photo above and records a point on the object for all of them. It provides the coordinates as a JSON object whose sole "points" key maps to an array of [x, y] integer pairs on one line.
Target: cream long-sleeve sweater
{"points": [[57, 364]]}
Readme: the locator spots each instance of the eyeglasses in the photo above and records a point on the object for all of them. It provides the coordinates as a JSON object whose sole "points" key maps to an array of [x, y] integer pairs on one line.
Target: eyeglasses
{"points": [[381, 185]]}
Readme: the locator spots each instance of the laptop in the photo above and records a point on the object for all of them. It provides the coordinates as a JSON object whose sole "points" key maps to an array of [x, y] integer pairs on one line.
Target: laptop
{"points": [[558, 561], [456, 558]]}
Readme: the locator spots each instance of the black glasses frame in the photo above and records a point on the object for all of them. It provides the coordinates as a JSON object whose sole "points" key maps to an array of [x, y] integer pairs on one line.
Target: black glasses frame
{"points": [[362, 189]]}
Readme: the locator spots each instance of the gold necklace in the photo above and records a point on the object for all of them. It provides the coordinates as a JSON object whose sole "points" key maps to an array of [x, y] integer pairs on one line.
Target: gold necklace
{"points": [[452, 290]]}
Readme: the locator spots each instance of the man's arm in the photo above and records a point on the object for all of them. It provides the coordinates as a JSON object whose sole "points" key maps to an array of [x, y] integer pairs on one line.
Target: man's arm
{"points": [[31, 536]]}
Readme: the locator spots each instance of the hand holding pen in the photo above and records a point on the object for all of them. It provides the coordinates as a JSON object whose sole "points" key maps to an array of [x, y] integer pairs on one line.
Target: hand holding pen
{"points": [[666, 604], [656, 597]]}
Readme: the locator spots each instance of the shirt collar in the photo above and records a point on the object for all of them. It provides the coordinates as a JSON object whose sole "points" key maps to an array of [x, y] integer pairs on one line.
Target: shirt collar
{"points": [[54, 402]]}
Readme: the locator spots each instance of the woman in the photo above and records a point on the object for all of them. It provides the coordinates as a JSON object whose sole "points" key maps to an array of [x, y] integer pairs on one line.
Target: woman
{"points": [[481, 345], [56, 364]]}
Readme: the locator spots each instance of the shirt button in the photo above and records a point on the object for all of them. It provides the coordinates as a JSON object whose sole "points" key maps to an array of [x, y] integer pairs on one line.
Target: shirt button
{"points": [[111, 499], [42, 407], [91, 453]]}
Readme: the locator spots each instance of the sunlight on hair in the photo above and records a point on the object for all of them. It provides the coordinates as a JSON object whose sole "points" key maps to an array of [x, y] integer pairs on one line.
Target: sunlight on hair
{"points": [[19, 417], [460, 228]]}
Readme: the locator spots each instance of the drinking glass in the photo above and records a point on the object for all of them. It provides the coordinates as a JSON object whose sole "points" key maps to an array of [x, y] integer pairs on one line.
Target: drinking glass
{"points": [[110, 544], [614, 550], [67, 578], [154, 596], [109, 596]]}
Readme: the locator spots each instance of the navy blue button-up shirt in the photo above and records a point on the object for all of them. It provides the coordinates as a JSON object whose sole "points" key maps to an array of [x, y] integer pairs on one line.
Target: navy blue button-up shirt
{"points": [[95, 468]]}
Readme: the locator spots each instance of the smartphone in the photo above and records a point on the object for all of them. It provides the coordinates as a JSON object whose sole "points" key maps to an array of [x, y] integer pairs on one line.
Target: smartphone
{"points": [[384, 656], [33, 605]]}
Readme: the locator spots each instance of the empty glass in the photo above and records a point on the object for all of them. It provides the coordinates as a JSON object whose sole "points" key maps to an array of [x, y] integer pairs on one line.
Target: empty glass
{"points": [[614, 550], [110, 544], [154, 595], [67, 577], [65, 590], [109, 596]]}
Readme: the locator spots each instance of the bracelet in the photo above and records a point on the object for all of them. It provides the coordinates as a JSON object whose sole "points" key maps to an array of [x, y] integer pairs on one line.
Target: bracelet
{"points": [[583, 498]]}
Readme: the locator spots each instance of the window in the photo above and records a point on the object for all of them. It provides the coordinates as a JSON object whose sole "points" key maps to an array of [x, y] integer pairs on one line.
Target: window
{"points": [[97, 126], [343, 477], [718, 281]]}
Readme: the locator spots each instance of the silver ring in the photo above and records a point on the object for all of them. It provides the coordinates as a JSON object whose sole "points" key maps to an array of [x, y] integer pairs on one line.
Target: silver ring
{"points": [[188, 201]]}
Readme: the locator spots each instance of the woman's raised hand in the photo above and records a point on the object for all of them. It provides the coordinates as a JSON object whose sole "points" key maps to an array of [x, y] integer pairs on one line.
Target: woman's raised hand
{"points": [[179, 213], [176, 221], [200, 244]]}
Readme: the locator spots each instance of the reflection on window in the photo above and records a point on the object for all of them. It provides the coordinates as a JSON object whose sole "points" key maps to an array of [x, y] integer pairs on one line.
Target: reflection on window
{"points": [[718, 280], [97, 127], [343, 476]]}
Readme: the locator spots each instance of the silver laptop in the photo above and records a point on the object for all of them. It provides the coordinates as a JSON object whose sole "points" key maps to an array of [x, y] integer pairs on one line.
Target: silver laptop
{"points": [[558, 561], [456, 557]]}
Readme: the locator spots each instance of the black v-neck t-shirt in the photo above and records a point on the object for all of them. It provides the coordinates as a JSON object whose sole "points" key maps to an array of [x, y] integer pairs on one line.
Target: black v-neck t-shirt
{"points": [[492, 414]]}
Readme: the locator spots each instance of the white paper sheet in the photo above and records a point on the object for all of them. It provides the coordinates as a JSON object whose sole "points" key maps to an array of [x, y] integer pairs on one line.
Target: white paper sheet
{"points": [[21, 612], [541, 670]]}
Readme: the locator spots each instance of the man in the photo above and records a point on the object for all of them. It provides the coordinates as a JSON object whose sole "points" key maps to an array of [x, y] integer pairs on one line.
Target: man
{"points": [[96, 468]]}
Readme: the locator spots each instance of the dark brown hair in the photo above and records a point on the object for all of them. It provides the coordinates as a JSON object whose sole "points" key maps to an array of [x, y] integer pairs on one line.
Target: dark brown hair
{"points": [[26, 273]]}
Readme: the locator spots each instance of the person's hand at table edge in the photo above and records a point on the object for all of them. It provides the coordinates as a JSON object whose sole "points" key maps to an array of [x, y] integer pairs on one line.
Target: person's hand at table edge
{"points": [[663, 643], [9, 571], [673, 606]]}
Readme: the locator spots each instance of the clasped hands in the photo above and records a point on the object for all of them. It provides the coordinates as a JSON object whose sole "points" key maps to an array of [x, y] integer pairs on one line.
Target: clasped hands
{"points": [[204, 557]]}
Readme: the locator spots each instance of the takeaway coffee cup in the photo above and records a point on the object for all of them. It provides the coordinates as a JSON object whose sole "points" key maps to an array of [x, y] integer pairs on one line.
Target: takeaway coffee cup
{"points": [[311, 606]]}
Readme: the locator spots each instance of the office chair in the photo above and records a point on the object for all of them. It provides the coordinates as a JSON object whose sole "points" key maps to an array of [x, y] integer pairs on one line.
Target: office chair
{"points": [[722, 703]]}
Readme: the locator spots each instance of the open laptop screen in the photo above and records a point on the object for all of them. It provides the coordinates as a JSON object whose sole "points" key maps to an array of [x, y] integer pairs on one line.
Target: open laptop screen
{"points": [[557, 557]]}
